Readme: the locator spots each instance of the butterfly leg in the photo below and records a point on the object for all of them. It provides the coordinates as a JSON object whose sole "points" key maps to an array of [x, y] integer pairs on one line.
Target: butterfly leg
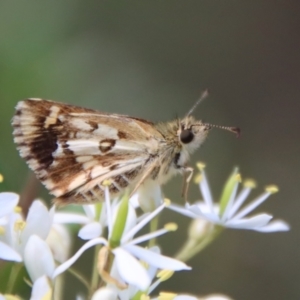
{"points": [[187, 176]]}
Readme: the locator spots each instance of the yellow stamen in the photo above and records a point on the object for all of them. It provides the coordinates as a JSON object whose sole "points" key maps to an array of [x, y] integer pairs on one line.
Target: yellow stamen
{"points": [[19, 225], [198, 178], [200, 166], [238, 177], [2, 230], [171, 226], [164, 275], [1, 178], [272, 189], [47, 296], [166, 296], [106, 182], [144, 264], [167, 202], [18, 209], [11, 297], [250, 183]]}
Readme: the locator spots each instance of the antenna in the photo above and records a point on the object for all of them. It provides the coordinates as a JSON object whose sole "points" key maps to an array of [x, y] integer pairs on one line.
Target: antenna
{"points": [[202, 97], [235, 130]]}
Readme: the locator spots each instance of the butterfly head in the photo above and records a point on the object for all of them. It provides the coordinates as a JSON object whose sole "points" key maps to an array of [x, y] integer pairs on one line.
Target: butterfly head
{"points": [[192, 133]]}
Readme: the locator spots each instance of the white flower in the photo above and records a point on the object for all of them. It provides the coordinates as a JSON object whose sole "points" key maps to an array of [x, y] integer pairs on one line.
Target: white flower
{"points": [[38, 258], [229, 211], [126, 252], [59, 241], [41, 289], [215, 297], [17, 231], [105, 293], [8, 202], [93, 220], [40, 265], [149, 196], [173, 296]]}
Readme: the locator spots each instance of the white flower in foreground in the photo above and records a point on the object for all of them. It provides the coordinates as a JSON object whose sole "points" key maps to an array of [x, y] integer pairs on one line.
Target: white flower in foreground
{"points": [[8, 202], [16, 231], [229, 211], [215, 297], [105, 293], [93, 220], [41, 289], [38, 258], [173, 296], [59, 241], [126, 252]]}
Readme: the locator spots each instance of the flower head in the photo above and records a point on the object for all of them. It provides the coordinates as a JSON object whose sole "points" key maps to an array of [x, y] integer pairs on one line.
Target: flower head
{"points": [[230, 212], [122, 226], [16, 231]]}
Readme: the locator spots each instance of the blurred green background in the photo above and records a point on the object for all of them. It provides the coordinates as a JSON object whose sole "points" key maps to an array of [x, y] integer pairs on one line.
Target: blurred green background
{"points": [[152, 59]]}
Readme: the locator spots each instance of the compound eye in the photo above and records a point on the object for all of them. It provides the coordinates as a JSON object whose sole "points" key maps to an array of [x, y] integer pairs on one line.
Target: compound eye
{"points": [[186, 136]]}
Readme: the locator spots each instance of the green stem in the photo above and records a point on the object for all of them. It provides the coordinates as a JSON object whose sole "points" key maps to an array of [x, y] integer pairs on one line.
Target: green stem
{"points": [[15, 270], [192, 247], [138, 295], [95, 275], [80, 277]]}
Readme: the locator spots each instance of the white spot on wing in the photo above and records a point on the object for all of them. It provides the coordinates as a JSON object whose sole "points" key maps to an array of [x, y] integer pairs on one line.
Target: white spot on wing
{"points": [[52, 118], [81, 124], [82, 159], [84, 147], [106, 131], [89, 164]]}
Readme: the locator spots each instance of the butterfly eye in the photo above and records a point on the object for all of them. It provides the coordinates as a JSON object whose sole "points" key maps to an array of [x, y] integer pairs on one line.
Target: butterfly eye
{"points": [[186, 136]]}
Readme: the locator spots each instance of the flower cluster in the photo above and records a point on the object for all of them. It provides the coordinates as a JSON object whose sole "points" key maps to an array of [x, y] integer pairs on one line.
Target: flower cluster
{"points": [[127, 265]]}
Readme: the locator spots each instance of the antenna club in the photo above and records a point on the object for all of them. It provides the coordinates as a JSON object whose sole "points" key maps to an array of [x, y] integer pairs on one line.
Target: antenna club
{"points": [[237, 131]]}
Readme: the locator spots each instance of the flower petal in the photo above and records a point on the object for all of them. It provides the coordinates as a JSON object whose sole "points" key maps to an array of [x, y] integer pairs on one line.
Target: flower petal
{"points": [[59, 240], [205, 190], [8, 202], [185, 297], [44, 265], [90, 231], [250, 223], [155, 259], [40, 289], [148, 236], [130, 269], [8, 253], [105, 293], [252, 205], [89, 210], [127, 236], [186, 211], [239, 201], [38, 222], [274, 226], [63, 218], [60, 269], [149, 196]]}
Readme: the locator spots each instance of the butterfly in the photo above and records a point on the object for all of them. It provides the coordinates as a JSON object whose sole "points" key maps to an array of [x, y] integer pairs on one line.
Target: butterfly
{"points": [[73, 150]]}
